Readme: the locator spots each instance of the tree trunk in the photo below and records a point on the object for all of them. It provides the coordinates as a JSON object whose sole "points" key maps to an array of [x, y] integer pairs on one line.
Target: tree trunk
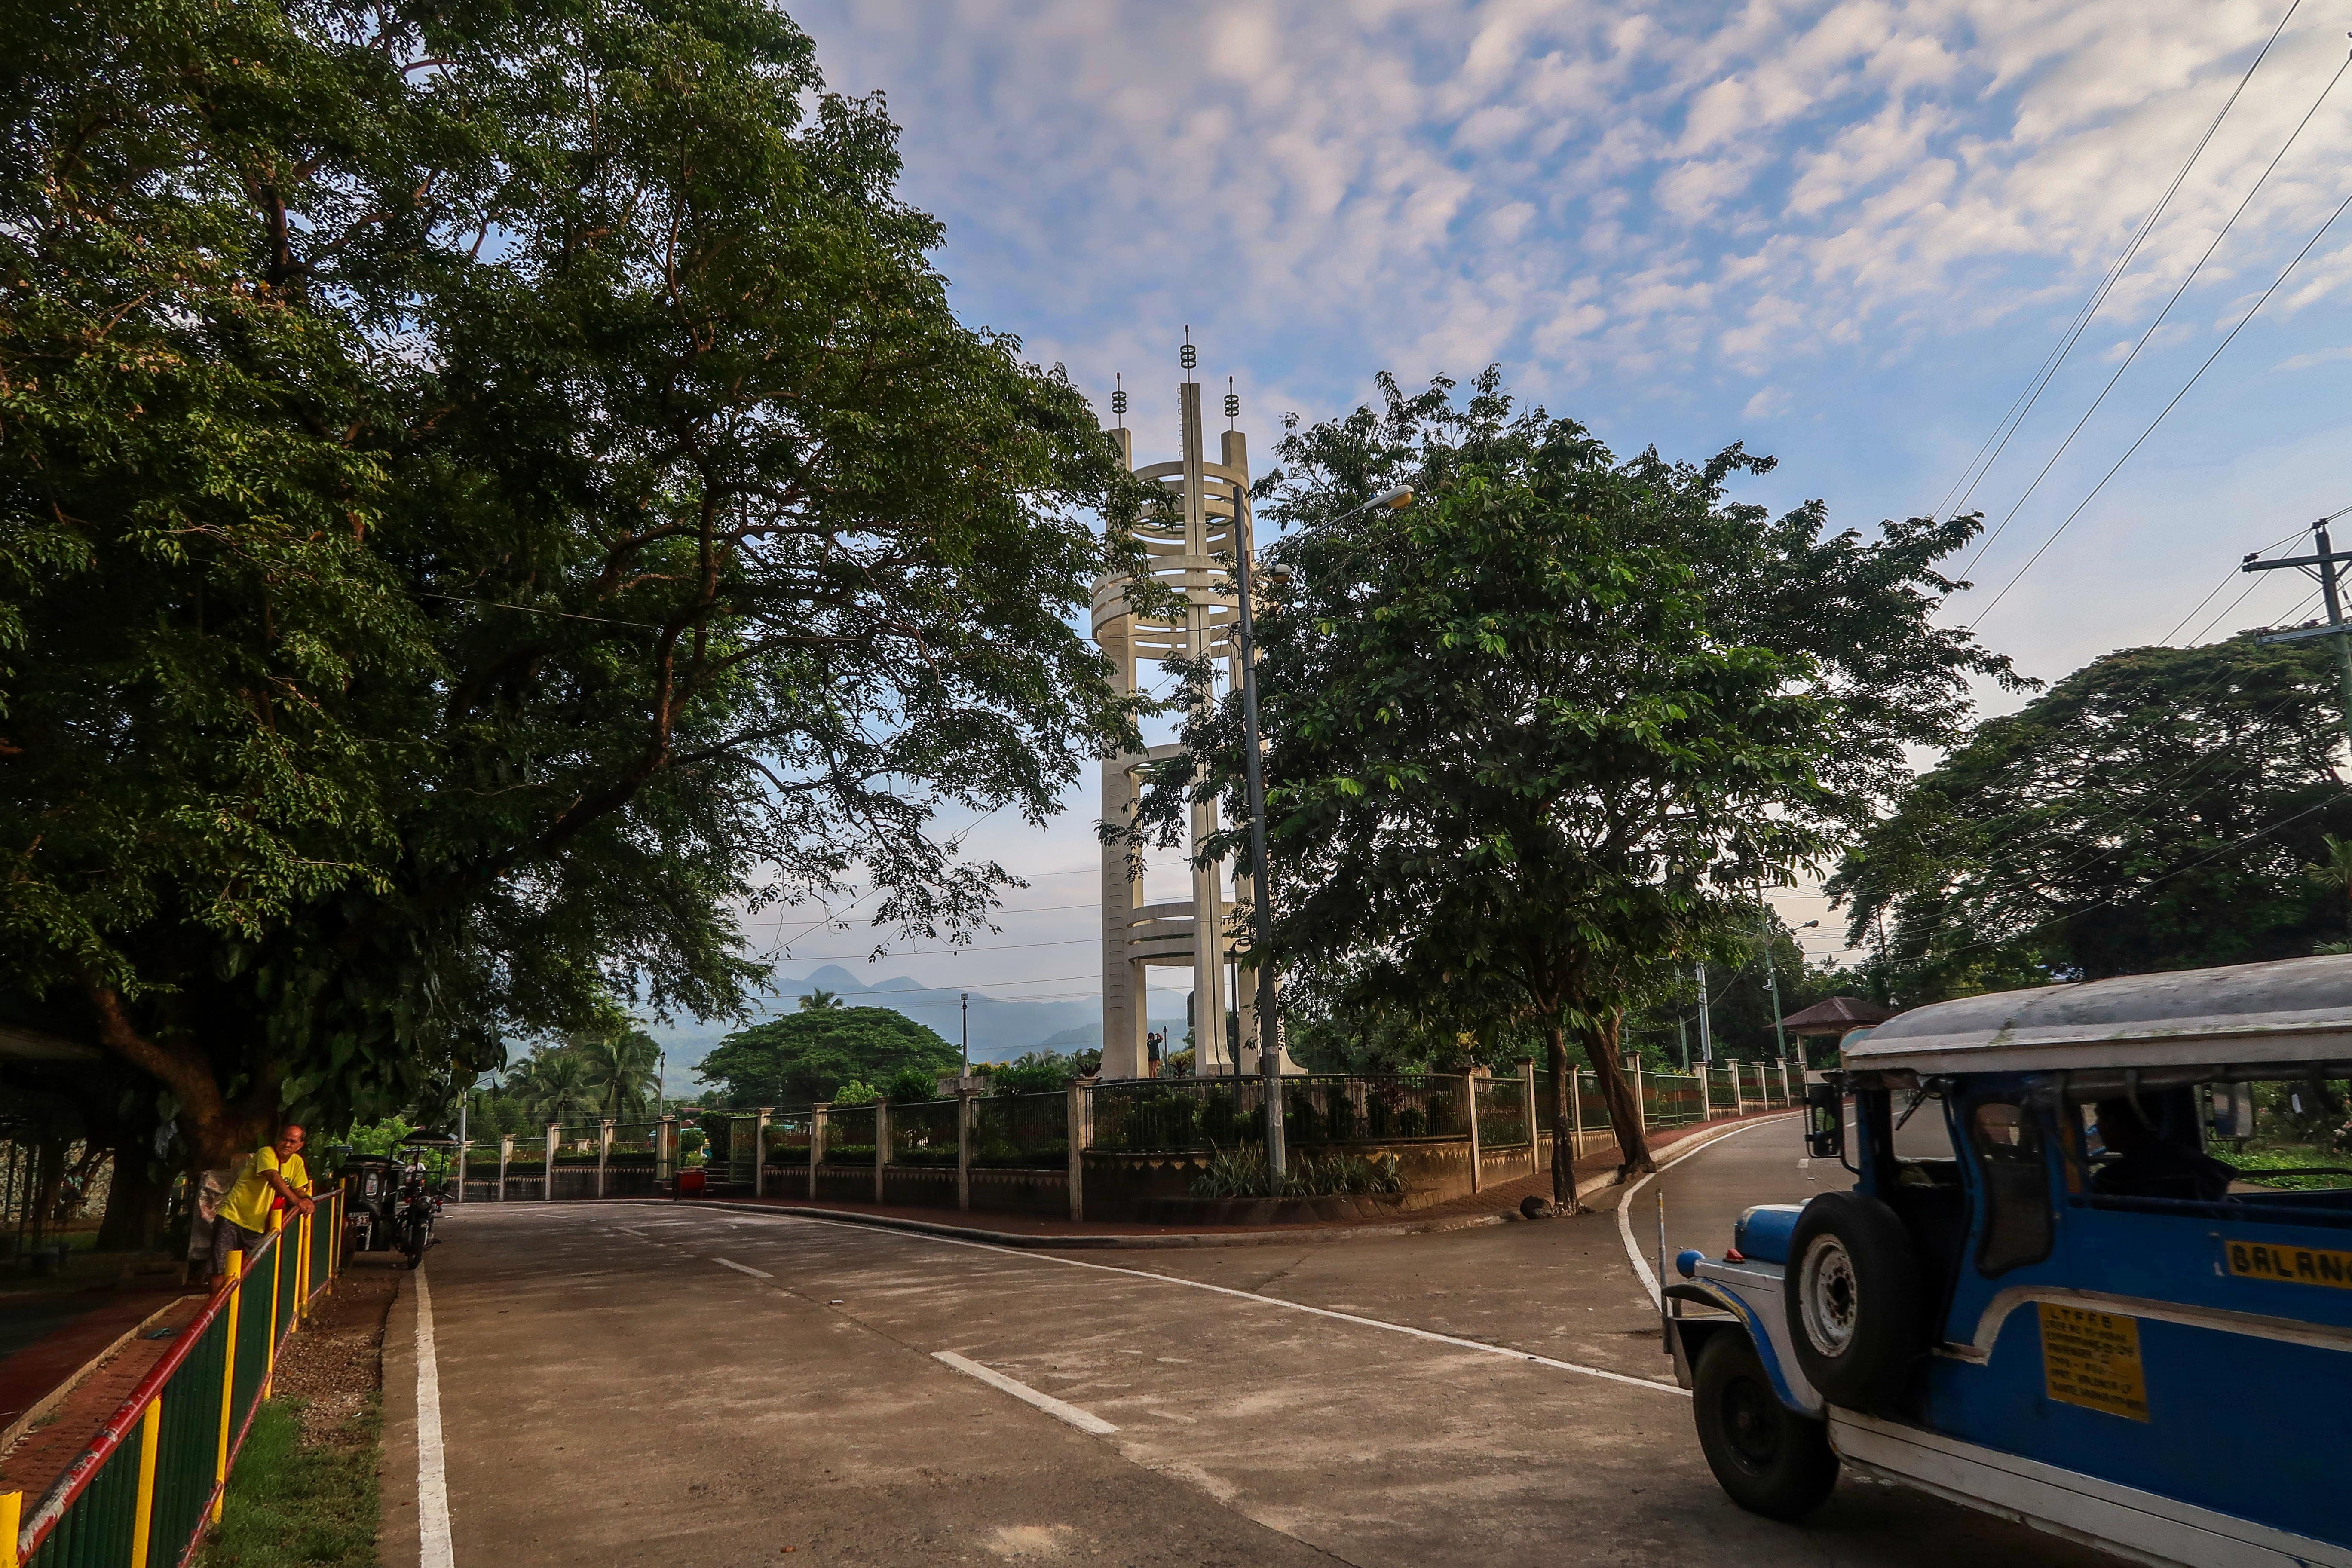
{"points": [[215, 1131], [134, 1198], [1563, 1136], [1625, 1116]]}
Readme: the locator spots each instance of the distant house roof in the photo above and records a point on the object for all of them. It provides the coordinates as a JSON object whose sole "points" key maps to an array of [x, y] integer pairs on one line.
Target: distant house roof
{"points": [[1836, 1015]]}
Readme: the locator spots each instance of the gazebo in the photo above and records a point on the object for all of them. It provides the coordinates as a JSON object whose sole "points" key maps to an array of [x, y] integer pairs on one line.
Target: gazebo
{"points": [[1834, 1019]]}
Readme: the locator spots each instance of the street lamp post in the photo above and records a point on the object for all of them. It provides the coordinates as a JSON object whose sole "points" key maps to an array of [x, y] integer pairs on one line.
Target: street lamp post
{"points": [[1269, 1033], [964, 1000]]}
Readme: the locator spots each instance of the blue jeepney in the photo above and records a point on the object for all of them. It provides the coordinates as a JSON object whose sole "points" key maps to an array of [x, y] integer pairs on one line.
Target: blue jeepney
{"points": [[2094, 1271]]}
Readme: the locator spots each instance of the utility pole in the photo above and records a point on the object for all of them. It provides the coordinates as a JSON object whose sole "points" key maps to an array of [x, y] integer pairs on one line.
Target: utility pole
{"points": [[2323, 567], [1269, 1032], [661, 1088], [964, 1000], [1705, 1030]]}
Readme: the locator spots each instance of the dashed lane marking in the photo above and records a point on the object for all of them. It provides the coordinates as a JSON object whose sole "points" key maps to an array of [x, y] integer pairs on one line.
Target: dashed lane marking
{"points": [[1084, 1421], [743, 1268]]}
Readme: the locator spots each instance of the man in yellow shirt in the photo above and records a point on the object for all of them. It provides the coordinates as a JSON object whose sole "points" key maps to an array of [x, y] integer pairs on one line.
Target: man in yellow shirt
{"points": [[276, 1173]]}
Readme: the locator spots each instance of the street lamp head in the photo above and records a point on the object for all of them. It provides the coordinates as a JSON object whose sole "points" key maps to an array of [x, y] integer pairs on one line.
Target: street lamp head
{"points": [[1809, 925], [1395, 500]]}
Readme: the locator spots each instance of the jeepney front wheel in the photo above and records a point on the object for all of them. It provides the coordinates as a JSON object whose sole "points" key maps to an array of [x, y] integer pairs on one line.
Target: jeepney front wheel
{"points": [[1854, 1299], [1770, 1460]]}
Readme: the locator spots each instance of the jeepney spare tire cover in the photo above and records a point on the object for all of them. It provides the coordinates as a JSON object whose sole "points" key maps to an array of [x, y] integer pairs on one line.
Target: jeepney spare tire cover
{"points": [[1854, 1299]]}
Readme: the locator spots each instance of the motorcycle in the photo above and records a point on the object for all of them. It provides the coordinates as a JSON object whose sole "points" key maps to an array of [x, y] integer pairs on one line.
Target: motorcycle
{"points": [[419, 1208]]}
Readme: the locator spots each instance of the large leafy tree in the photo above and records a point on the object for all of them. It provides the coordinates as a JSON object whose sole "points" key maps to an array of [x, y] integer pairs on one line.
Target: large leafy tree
{"points": [[2159, 809], [1551, 725], [485, 493], [806, 1056]]}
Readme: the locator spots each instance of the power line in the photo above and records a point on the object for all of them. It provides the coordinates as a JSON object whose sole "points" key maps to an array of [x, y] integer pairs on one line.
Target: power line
{"points": [[2144, 338], [2014, 419], [2275, 284]]}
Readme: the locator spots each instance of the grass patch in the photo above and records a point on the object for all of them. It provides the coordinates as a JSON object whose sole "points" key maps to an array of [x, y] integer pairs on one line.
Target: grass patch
{"points": [[294, 1503]]}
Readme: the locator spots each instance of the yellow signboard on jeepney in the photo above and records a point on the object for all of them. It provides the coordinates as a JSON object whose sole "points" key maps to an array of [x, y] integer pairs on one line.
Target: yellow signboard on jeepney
{"points": [[2091, 1358], [2294, 1265]]}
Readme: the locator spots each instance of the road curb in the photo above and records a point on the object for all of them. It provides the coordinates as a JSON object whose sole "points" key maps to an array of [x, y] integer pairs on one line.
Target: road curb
{"points": [[396, 1536], [1090, 1243]]}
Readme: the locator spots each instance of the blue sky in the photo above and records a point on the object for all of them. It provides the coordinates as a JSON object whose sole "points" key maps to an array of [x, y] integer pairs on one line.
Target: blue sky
{"points": [[1845, 234]]}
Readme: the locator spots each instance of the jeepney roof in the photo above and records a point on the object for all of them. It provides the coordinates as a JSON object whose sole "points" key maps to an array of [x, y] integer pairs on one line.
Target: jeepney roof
{"points": [[2292, 1010]]}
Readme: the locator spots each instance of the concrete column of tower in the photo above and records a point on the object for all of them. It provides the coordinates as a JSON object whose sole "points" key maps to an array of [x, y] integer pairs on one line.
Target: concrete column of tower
{"points": [[1125, 1000]]}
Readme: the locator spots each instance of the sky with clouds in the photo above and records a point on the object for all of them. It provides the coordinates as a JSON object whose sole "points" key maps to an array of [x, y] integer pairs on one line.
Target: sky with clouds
{"points": [[1846, 234]]}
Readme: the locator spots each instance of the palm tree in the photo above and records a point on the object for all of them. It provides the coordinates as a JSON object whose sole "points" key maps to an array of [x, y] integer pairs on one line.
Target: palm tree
{"points": [[821, 1001], [621, 1071], [560, 1087]]}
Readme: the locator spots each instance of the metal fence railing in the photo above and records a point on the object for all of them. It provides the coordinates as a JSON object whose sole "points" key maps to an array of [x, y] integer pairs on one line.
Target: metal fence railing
{"points": [[1021, 1131], [150, 1481], [1502, 1112], [849, 1135], [923, 1132]]}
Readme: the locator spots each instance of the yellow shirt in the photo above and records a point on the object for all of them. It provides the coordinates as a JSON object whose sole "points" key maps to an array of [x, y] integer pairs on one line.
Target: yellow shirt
{"points": [[249, 1202]]}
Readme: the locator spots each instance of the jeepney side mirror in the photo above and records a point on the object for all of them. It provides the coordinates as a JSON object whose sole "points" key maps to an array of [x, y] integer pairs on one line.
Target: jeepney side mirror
{"points": [[1824, 1122]]}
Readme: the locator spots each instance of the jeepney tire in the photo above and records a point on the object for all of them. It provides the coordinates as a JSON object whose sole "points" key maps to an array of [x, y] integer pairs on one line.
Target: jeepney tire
{"points": [[1770, 1460], [1854, 1300]]}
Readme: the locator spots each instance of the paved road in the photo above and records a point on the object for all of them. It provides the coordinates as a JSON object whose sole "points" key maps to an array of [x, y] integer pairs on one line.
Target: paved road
{"points": [[707, 1387]]}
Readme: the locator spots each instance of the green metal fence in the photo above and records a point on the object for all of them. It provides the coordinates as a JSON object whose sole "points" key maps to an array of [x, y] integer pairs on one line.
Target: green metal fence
{"points": [[1502, 1111], [150, 1483]]}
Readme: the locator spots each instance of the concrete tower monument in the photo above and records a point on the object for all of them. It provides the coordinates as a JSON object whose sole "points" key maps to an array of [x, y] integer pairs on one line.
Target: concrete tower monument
{"points": [[1207, 517]]}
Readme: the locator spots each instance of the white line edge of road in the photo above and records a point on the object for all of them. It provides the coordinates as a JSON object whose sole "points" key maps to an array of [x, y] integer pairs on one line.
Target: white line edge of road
{"points": [[743, 1268], [432, 1545], [1654, 1385], [1084, 1421], [1625, 1205]]}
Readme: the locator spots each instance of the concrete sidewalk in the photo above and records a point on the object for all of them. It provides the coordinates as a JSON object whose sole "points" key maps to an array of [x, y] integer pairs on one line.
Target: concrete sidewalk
{"points": [[1496, 1204]]}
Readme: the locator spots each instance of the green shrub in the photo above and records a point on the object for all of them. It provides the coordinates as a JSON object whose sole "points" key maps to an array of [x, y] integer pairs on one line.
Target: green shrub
{"points": [[1241, 1173], [912, 1084], [856, 1094]]}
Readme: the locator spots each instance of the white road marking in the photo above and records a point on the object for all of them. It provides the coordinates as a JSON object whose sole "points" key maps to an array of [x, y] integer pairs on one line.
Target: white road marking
{"points": [[433, 1549], [1625, 1203], [1655, 1386], [1082, 1420], [743, 1269]]}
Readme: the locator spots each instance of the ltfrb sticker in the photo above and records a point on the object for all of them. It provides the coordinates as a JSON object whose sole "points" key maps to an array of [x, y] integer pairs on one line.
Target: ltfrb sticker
{"points": [[2294, 1265], [2091, 1358]]}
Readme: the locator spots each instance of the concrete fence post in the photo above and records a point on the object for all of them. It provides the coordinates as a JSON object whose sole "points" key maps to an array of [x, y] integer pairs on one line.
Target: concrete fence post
{"points": [[963, 1147], [1641, 1105], [1575, 1117], [1787, 1099], [1074, 1122], [465, 1148], [1470, 1096], [820, 1135], [1535, 1128], [604, 1151], [759, 1148], [666, 1152], [554, 1141], [505, 1152], [881, 1143]]}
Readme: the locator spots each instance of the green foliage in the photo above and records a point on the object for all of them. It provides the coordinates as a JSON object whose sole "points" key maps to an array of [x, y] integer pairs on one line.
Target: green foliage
{"points": [[1243, 1174], [2099, 831], [486, 493], [1544, 729], [856, 1094], [298, 1503], [378, 1137], [1032, 1072], [912, 1084], [809, 1056]]}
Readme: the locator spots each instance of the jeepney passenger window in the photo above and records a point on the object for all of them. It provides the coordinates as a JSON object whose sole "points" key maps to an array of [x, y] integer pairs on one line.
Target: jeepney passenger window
{"points": [[2008, 1152]]}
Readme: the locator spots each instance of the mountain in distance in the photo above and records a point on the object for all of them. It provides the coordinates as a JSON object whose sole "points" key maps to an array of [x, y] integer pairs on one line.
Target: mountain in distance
{"points": [[999, 1030]]}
